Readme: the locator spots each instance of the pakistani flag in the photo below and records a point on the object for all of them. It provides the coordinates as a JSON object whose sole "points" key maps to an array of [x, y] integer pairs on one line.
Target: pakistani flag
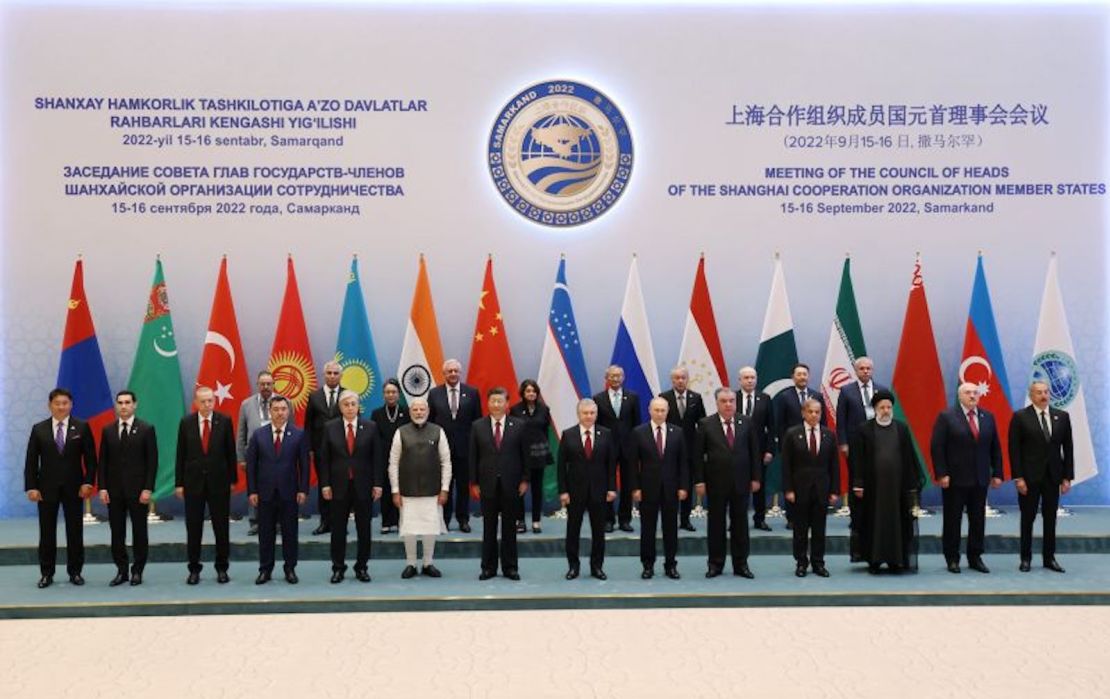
{"points": [[354, 349], [777, 355], [156, 380]]}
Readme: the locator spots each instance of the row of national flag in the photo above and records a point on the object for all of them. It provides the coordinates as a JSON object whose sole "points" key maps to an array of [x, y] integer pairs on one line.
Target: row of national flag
{"points": [[563, 379]]}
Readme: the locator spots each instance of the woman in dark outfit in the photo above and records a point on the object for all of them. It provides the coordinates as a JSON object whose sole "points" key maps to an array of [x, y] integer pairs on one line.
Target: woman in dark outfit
{"points": [[537, 418], [388, 418], [887, 478]]}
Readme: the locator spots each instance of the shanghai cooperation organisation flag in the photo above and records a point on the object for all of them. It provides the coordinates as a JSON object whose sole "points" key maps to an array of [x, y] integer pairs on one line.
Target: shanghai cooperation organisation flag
{"points": [[1054, 363], [156, 381], [632, 350], [354, 348]]}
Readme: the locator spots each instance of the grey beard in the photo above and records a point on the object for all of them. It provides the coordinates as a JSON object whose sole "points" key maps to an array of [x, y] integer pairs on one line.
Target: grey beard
{"points": [[884, 421]]}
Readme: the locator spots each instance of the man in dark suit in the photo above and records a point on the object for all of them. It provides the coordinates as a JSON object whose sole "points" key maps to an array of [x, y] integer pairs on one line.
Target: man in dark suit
{"points": [[587, 474], [455, 406], [1042, 463], [685, 409], [128, 465], [322, 407], [811, 481], [726, 469], [60, 470], [277, 483], [853, 409], [254, 412], [756, 406], [205, 474], [788, 413], [660, 472], [352, 469], [967, 457], [618, 410], [497, 456]]}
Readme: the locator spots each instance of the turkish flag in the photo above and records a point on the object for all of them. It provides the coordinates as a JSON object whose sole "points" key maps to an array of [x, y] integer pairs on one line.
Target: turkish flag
{"points": [[223, 366]]}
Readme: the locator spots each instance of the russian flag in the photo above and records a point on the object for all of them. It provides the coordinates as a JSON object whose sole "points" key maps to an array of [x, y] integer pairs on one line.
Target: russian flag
{"points": [[81, 367], [632, 350], [982, 364]]}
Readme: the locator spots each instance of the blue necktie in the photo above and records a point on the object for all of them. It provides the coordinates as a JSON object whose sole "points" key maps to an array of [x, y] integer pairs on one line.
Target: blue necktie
{"points": [[60, 438]]}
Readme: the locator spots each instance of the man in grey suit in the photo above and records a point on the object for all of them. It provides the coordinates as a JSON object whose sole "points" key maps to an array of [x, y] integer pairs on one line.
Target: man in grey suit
{"points": [[254, 412]]}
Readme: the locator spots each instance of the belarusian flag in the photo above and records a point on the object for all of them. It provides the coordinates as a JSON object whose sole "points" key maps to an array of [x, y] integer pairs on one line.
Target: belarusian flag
{"points": [[156, 381], [291, 356], [845, 346], [1054, 363], [918, 384], [491, 361], [777, 355], [701, 352], [421, 365], [223, 366]]}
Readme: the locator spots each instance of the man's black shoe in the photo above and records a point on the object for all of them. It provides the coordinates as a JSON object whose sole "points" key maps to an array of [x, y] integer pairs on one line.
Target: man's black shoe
{"points": [[120, 579]]}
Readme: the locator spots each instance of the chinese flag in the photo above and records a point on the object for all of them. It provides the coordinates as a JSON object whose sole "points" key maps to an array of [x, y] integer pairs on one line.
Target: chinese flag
{"points": [[223, 366], [290, 357], [491, 362]]}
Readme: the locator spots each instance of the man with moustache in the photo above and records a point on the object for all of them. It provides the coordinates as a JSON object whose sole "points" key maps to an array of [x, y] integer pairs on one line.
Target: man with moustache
{"points": [[810, 481], [254, 412], [788, 412]]}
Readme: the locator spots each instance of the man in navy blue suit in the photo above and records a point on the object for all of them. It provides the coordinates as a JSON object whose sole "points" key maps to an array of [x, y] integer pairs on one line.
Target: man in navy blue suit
{"points": [[967, 457], [277, 482], [853, 409]]}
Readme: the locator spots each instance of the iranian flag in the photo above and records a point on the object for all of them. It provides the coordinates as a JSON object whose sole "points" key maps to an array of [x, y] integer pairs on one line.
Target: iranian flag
{"points": [[845, 346], [421, 365], [491, 361], [701, 352], [918, 384]]}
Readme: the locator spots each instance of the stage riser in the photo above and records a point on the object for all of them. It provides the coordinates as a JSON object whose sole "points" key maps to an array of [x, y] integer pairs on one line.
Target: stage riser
{"points": [[391, 548]]}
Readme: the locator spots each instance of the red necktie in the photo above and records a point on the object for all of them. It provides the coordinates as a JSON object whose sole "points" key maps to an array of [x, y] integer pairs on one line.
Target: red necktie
{"points": [[813, 441], [589, 446], [350, 448], [497, 435], [973, 424], [729, 434], [277, 443], [659, 439], [205, 433]]}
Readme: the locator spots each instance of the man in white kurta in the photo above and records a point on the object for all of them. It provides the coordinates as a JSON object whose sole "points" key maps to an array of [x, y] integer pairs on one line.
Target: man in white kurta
{"points": [[420, 475]]}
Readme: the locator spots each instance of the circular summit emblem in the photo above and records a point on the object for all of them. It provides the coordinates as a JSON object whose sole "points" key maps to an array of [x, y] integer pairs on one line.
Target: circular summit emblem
{"points": [[1061, 374], [560, 153]]}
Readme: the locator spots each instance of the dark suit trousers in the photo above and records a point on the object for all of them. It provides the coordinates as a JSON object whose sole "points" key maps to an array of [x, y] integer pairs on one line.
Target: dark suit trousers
{"points": [[650, 509], [340, 509], [119, 510], [687, 505], [1047, 495], [219, 504], [809, 520], [734, 506], [391, 516], [622, 511], [323, 506], [759, 506], [956, 499], [598, 511], [48, 533], [460, 508], [535, 492], [270, 512], [503, 504]]}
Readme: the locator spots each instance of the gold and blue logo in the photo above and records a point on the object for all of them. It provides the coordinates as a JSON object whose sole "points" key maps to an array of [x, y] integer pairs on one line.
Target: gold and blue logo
{"points": [[560, 153]]}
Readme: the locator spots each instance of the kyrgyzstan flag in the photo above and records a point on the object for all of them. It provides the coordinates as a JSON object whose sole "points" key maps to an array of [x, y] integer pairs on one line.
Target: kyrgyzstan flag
{"points": [[81, 367], [982, 361], [491, 361], [223, 366], [291, 357]]}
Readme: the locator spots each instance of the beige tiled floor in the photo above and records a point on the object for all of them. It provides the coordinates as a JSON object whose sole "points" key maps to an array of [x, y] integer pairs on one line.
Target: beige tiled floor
{"points": [[893, 653]]}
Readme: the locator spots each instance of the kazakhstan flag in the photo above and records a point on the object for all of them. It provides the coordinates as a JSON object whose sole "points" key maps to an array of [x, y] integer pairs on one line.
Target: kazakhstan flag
{"points": [[354, 350]]}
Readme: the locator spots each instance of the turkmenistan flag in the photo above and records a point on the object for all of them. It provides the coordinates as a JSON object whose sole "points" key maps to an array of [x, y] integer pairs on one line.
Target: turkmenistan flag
{"points": [[156, 380], [845, 347], [774, 363], [354, 348]]}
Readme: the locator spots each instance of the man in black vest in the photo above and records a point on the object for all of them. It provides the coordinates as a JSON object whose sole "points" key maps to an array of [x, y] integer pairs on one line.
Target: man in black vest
{"points": [[498, 454], [128, 465], [60, 470], [1042, 463]]}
